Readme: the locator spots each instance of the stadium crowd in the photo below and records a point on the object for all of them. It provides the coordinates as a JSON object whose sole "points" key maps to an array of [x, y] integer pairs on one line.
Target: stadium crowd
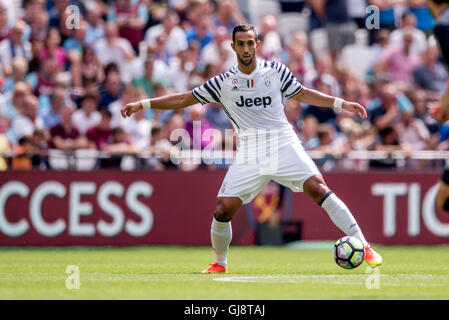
{"points": [[63, 80]]}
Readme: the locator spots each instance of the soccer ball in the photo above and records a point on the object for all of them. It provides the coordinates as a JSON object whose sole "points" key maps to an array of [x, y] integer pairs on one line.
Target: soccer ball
{"points": [[349, 252]]}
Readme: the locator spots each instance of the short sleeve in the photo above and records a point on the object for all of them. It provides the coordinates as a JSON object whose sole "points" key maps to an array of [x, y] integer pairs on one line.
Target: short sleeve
{"points": [[208, 92], [289, 84]]}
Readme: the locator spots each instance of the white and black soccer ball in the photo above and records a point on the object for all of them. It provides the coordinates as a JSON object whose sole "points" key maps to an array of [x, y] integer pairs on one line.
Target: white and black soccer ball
{"points": [[349, 252]]}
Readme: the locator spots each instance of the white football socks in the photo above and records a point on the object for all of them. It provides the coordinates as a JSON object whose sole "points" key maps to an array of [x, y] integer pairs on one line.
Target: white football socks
{"points": [[342, 217], [221, 236]]}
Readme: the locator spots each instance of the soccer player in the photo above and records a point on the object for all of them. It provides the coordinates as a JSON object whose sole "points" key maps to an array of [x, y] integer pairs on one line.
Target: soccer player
{"points": [[440, 111], [252, 94]]}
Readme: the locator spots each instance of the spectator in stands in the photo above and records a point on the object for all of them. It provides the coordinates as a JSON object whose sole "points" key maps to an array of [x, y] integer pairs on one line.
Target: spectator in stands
{"points": [[115, 49], [339, 25], [228, 15], [22, 154], [330, 144], [322, 114], [292, 111], [128, 96], [120, 144], [309, 132], [65, 136], [19, 73], [422, 14], [299, 59], [5, 146], [271, 41], [131, 17], [180, 70], [420, 103], [216, 115], [176, 38], [101, 134], [379, 49], [219, 51], [28, 118], [54, 49], [201, 33], [387, 112], [75, 44], [138, 127], [160, 148], [4, 29], [14, 46], [46, 76], [413, 131], [152, 75], [388, 141], [37, 46], [112, 88], [96, 29], [38, 148], [431, 75], [200, 129], [408, 25], [91, 67], [87, 116], [52, 115], [39, 25], [322, 73], [19, 93], [400, 62]]}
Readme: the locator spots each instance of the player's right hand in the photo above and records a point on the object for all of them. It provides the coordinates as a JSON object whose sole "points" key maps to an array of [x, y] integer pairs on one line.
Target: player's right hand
{"points": [[131, 108]]}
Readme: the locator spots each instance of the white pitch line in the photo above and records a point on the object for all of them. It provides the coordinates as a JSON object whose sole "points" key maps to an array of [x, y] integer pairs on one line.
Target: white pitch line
{"points": [[386, 280]]}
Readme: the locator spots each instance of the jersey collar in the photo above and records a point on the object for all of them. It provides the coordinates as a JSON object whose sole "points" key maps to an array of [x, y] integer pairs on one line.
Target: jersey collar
{"points": [[251, 75]]}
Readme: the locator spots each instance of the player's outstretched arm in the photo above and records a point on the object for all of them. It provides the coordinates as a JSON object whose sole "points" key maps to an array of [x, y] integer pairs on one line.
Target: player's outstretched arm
{"points": [[170, 101], [319, 99]]}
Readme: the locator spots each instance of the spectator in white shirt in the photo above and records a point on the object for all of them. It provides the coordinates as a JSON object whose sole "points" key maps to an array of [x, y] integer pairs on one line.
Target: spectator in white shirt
{"points": [[14, 46], [176, 37], [87, 116], [28, 119], [408, 25], [117, 50]]}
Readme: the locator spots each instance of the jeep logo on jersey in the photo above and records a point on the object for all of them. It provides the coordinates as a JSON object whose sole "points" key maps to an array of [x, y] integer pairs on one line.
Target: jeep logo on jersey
{"points": [[248, 102]]}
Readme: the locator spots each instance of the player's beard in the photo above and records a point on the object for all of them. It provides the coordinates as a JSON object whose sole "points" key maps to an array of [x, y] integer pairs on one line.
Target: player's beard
{"points": [[246, 63]]}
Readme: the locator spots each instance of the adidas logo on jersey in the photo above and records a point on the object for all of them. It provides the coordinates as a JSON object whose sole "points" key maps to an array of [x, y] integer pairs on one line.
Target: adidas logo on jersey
{"points": [[248, 102]]}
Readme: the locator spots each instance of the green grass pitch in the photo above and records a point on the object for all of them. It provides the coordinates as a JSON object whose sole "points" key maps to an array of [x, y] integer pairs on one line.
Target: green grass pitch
{"points": [[272, 273]]}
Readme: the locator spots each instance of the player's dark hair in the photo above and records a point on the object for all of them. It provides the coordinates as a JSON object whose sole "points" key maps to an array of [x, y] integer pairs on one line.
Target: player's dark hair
{"points": [[243, 28], [440, 1]]}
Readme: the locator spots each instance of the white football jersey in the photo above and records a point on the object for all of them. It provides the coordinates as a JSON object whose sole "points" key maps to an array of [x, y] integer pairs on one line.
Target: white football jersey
{"points": [[252, 101]]}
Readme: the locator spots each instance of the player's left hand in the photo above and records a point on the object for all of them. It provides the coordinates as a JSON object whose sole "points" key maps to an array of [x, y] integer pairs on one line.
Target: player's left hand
{"points": [[356, 108], [437, 112]]}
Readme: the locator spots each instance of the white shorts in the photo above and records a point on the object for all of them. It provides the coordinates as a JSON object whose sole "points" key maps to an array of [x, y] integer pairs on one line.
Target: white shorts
{"points": [[293, 167]]}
